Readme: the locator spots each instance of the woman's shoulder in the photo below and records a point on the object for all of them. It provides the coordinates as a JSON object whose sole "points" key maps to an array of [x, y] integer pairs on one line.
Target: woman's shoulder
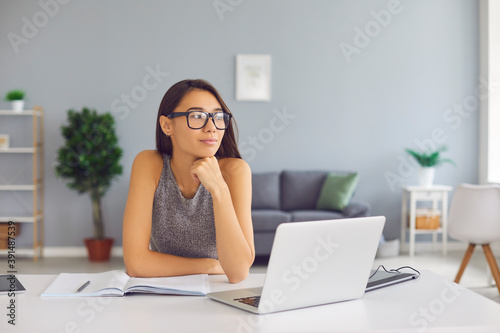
{"points": [[150, 156], [149, 160], [231, 166]]}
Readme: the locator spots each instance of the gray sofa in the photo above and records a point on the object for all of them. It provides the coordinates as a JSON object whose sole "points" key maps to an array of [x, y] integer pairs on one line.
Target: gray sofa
{"points": [[291, 196]]}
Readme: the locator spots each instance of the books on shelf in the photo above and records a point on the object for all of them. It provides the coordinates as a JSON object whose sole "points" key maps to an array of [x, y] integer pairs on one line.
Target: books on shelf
{"points": [[119, 283]]}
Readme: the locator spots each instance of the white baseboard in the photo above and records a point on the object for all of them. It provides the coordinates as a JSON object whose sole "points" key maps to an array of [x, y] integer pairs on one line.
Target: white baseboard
{"points": [[451, 246], [65, 251], [76, 251], [117, 251], [429, 246]]}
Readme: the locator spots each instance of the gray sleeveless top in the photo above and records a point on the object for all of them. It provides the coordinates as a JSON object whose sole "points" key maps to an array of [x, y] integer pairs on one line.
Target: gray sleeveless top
{"points": [[180, 226]]}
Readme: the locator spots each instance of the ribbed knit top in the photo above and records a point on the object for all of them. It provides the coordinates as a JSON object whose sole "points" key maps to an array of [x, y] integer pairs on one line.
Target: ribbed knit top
{"points": [[182, 227]]}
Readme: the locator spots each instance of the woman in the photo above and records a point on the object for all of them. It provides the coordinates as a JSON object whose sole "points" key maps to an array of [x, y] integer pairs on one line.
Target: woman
{"points": [[188, 208]]}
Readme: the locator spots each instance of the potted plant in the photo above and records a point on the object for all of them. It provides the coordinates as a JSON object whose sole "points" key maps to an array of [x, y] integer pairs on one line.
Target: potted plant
{"points": [[17, 99], [428, 161], [89, 161]]}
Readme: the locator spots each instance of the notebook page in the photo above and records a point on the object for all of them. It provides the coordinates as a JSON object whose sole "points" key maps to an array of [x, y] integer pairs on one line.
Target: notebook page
{"points": [[106, 283], [196, 284]]}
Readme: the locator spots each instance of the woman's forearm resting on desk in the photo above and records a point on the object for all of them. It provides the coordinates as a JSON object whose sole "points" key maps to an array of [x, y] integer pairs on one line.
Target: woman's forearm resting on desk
{"points": [[155, 264]]}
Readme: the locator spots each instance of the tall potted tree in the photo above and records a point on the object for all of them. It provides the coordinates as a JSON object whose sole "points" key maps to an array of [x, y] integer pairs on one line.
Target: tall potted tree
{"points": [[89, 161]]}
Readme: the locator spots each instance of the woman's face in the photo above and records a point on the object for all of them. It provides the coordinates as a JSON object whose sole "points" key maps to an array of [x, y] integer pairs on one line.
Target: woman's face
{"points": [[203, 142]]}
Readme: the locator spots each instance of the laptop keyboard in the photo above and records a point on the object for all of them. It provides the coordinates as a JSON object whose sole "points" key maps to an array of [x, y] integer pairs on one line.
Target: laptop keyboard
{"points": [[252, 300]]}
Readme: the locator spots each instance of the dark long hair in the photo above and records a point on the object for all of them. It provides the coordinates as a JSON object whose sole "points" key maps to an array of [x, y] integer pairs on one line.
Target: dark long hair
{"points": [[171, 100]]}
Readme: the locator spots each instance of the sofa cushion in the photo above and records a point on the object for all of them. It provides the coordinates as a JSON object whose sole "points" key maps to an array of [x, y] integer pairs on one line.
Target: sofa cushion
{"points": [[269, 219], [266, 190], [356, 209], [300, 189], [337, 191], [315, 215], [263, 242]]}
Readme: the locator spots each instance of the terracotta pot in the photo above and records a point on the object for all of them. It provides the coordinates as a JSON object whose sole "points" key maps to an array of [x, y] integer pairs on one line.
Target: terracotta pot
{"points": [[99, 249], [4, 234]]}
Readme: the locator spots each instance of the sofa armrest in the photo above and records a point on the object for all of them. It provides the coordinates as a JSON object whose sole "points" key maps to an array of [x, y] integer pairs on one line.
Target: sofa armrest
{"points": [[357, 208]]}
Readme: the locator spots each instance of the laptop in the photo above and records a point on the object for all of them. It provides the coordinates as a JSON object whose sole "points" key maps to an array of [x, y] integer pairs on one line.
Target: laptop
{"points": [[313, 263]]}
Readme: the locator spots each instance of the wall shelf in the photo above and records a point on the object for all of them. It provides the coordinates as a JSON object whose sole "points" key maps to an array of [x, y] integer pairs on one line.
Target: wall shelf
{"points": [[36, 186], [21, 219], [36, 111], [19, 187], [29, 150]]}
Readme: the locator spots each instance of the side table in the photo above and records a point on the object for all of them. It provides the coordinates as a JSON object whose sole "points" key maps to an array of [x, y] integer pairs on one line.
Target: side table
{"points": [[435, 194]]}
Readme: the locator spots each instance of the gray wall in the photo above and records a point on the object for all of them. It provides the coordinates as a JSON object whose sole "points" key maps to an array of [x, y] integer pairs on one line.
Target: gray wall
{"points": [[355, 112]]}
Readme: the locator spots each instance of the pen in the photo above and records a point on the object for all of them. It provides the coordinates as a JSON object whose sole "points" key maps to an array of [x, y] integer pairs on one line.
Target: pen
{"points": [[83, 287]]}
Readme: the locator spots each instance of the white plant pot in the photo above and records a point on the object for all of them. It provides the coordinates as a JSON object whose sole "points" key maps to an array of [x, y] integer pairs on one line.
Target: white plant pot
{"points": [[18, 106], [426, 176]]}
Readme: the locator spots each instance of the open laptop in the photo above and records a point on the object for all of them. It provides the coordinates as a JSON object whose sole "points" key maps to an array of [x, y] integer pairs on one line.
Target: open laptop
{"points": [[313, 263]]}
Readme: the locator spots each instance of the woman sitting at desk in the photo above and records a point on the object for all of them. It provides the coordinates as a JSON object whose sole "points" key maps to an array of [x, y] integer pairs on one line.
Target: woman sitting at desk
{"points": [[188, 208]]}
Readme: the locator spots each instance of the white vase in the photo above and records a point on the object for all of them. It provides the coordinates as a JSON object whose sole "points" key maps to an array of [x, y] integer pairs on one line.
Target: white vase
{"points": [[18, 106], [426, 176]]}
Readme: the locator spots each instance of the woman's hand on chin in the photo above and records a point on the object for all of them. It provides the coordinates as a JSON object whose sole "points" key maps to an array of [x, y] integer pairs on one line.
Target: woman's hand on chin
{"points": [[207, 171]]}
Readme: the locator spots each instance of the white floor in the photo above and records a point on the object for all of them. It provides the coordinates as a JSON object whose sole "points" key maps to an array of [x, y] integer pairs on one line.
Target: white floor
{"points": [[476, 276]]}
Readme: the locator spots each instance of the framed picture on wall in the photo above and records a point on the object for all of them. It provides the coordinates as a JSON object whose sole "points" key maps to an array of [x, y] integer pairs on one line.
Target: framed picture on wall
{"points": [[253, 77], [4, 141]]}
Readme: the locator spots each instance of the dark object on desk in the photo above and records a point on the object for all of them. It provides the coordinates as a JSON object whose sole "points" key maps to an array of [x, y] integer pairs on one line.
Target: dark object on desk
{"points": [[10, 284], [83, 286], [383, 278]]}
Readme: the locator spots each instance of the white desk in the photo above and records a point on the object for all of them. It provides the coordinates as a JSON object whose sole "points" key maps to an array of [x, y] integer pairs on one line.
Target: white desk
{"points": [[428, 302], [435, 194]]}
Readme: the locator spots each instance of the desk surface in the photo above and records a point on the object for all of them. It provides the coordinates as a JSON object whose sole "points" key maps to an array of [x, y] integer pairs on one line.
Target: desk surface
{"points": [[428, 304]]}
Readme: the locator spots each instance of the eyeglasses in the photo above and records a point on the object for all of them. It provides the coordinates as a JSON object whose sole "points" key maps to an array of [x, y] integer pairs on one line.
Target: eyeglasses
{"points": [[198, 119]]}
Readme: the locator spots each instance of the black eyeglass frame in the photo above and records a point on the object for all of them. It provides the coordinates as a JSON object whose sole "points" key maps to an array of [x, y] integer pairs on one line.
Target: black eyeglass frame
{"points": [[208, 114]]}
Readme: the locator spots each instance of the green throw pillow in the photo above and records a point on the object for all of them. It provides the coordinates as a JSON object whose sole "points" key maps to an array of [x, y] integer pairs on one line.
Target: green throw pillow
{"points": [[337, 191]]}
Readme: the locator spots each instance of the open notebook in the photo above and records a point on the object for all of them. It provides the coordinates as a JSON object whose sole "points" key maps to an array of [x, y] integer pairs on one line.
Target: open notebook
{"points": [[118, 283]]}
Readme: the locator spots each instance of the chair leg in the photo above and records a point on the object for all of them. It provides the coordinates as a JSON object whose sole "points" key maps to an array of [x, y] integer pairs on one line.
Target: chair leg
{"points": [[493, 264], [465, 261]]}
